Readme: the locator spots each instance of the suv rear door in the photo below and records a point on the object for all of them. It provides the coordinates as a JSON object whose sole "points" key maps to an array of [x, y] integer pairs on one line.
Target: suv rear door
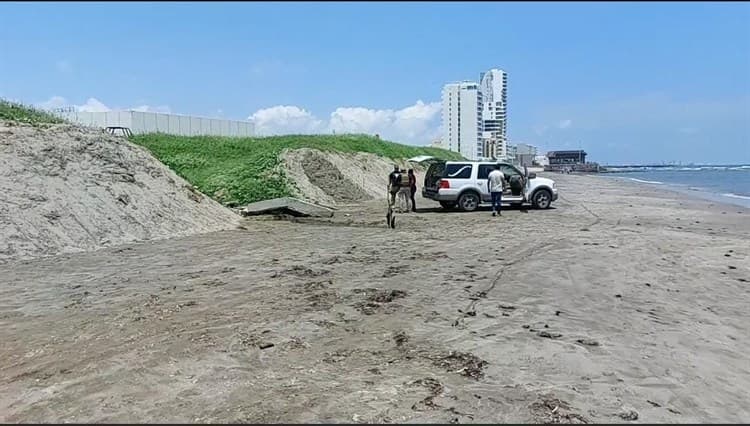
{"points": [[434, 171], [433, 175], [482, 174]]}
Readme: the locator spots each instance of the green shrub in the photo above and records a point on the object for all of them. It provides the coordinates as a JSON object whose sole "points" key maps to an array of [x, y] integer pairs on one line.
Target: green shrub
{"points": [[11, 111], [237, 171]]}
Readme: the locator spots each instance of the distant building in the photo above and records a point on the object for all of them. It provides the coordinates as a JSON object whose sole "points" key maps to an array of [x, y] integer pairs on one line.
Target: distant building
{"points": [[566, 157], [437, 143], [525, 154], [462, 119], [541, 160], [510, 155], [525, 149], [490, 145], [494, 87]]}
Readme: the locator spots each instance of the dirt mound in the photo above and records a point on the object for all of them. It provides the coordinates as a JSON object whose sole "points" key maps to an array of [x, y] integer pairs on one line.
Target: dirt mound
{"points": [[331, 178], [67, 189], [323, 174]]}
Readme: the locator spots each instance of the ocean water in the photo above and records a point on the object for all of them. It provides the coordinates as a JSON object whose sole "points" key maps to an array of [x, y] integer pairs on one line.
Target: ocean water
{"points": [[727, 184]]}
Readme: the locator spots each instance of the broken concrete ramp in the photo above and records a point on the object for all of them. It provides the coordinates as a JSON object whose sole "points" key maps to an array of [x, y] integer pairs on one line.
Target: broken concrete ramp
{"points": [[286, 205]]}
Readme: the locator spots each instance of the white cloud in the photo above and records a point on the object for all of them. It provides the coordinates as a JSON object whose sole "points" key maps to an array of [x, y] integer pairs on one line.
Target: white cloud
{"points": [[283, 119], [564, 124], [64, 66], [52, 103], [416, 124], [359, 120], [95, 105], [148, 108], [688, 130], [92, 105]]}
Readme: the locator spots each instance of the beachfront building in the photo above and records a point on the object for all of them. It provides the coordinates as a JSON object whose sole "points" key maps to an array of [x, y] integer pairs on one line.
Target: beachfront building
{"points": [[494, 87], [462, 119], [563, 158]]}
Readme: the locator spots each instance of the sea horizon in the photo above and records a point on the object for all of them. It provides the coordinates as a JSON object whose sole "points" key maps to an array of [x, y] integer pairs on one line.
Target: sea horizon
{"points": [[728, 183]]}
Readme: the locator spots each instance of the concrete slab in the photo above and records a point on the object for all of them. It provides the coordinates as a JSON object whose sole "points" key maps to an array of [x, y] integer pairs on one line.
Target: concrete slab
{"points": [[286, 205]]}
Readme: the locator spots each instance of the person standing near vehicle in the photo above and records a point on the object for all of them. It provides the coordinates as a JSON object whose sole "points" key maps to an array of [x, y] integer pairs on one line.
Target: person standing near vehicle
{"points": [[495, 186], [405, 190], [413, 188], [394, 184]]}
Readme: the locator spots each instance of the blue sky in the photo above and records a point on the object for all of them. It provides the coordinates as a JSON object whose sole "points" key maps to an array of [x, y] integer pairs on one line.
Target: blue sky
{"points": [[628, 82]]}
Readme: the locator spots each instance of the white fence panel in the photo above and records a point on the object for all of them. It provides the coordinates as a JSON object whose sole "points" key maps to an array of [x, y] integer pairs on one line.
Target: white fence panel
{"points": [[149, 122]]}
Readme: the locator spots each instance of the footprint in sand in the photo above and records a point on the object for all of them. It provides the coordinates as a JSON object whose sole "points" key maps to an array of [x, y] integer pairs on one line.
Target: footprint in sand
{"points": [[549, 335]]}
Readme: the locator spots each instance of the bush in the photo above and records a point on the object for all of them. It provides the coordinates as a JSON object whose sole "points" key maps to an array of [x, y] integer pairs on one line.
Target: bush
{"points": [[15, 112], [238, 171]]}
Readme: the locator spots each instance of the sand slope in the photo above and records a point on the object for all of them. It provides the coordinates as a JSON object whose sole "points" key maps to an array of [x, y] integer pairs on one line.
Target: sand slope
{"points": [[332, 178], [67, 189]]}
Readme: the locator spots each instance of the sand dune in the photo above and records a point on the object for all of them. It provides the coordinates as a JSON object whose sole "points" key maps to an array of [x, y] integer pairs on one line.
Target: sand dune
{"points": [[68, 189]]}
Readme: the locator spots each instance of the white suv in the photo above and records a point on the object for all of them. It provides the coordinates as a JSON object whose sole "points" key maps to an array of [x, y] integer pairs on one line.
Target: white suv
{"points": [[464, 183]]}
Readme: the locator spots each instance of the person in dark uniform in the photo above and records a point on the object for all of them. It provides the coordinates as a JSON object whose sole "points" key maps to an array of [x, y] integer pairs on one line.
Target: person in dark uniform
{"points": [[394, 184], [413, 188]]}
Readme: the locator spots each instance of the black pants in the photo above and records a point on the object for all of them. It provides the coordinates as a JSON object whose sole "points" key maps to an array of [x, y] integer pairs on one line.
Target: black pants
{"points": [[413, 203]]}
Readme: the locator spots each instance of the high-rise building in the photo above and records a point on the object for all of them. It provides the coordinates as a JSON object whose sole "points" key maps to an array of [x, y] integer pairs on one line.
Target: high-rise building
{"points": [[494, 87], [462, 119]]}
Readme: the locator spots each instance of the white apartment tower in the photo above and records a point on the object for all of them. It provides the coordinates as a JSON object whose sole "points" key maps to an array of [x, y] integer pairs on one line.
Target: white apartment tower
{"points": [[494, 87], [462, 119]]}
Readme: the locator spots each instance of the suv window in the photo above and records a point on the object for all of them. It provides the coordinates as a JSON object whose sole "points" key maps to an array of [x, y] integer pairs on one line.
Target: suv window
{"points": [[484, 170], [458, 171], [509, 171]]}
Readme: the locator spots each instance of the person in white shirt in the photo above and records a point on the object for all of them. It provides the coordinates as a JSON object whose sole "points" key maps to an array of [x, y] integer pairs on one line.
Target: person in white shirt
{"points": [[496, 185]]}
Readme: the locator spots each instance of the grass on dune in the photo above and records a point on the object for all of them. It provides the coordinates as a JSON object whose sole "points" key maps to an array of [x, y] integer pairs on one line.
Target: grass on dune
{"points": [[15, 112], [237, 171]]}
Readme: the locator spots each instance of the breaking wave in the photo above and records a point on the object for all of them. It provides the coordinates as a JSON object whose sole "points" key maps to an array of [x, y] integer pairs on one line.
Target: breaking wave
{"points": [[731, 195], [647, 181]]}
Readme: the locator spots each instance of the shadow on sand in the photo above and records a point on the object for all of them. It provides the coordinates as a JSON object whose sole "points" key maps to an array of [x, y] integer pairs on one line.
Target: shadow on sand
{"points": [[517, 208]]}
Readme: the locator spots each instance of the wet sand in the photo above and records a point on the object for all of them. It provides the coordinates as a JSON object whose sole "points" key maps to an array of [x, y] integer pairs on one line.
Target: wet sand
{"points": [[623, 303]]}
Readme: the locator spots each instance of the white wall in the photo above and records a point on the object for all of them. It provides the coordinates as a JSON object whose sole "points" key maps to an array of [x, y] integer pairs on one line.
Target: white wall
{"points": [[151, 122]]}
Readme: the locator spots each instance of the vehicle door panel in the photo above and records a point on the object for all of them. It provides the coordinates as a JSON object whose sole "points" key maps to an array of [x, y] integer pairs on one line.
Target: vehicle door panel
{"points": [[510, 171], [482, 174]]}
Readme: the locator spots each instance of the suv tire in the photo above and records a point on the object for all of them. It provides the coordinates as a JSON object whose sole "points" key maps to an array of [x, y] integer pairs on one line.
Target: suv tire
{"points": [[542, 199], [468, 201]]}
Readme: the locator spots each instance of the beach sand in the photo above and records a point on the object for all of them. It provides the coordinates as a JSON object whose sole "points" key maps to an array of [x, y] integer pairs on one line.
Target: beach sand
{"points": [[623, 303]]}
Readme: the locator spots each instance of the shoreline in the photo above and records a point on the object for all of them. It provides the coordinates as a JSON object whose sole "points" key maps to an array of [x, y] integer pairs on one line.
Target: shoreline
{"points": [[727, 199]]}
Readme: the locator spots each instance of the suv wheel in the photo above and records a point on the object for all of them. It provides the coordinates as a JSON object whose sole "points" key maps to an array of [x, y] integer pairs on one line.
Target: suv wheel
{"points": [[447, 204], [469, 201], [542, 199]]}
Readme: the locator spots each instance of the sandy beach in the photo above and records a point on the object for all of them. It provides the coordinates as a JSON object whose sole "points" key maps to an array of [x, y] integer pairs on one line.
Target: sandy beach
{"points": [[623, 303]]}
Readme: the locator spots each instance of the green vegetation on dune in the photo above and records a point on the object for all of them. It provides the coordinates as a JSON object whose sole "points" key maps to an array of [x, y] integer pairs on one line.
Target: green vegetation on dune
{"points": [[11, 111], [237, 171]]}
